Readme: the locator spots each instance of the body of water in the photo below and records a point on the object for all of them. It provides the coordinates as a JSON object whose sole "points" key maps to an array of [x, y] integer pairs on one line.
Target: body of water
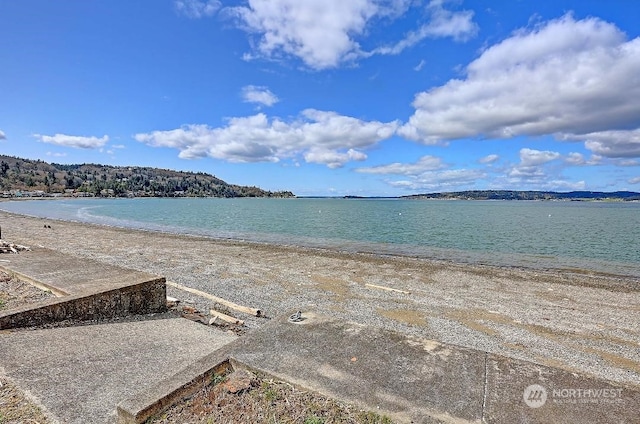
{"points": [[598, 236]]}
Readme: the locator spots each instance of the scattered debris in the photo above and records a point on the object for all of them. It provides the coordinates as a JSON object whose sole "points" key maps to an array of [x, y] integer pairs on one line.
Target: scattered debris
{"points": [[374, 286], [225, 317], [219, 315], [6, 247], [172, 302], [228, 304]]}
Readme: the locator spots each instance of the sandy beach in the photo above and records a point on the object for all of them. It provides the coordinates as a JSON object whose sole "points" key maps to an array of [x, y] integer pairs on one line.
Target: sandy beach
{"points": [[576, 320]]}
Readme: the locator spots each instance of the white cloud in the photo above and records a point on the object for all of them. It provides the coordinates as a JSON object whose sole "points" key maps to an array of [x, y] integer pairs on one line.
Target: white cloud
{"points": [[575, 159], [260, 95], [419, 66], [319, 136], [2, 135], [197, 9], [578, 159], [56, 154], [635, 180], [333, 159], [565, 77], [445, 180], [319, 32], [531, 169], [531, 157], [428, 173], [74, 140], [424, 164], [489, 159], [326, 33], [443, 23], [611, 144]]}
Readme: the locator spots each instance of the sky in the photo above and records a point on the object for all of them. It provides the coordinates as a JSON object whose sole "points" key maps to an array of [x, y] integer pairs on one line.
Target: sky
{"points": [[331, 97]]}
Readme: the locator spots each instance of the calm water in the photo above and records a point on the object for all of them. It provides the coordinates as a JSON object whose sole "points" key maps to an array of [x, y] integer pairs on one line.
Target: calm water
{"points": [[585, 235]]}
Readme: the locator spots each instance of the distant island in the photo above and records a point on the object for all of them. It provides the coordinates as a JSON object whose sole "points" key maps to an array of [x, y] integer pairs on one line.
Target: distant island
{"points": [[530, 195], [35, 178], [518, 195]]}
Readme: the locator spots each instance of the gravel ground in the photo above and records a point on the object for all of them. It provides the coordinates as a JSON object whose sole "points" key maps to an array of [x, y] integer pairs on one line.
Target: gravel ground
{"points": [[16, 407], [15, 293], [576, 320]]}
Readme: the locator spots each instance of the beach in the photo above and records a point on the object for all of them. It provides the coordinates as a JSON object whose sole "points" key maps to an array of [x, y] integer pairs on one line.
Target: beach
{"points": [[577, 320]]}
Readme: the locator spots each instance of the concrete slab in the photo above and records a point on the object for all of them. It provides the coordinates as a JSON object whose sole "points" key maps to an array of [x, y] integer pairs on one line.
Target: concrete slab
{"points": [[79, 374], [88, 290], [411, 380], [70, 275], [524, 392]]}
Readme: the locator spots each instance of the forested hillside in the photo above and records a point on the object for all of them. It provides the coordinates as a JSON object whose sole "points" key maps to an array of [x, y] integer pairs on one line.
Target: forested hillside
{"points": [[33, 177]]}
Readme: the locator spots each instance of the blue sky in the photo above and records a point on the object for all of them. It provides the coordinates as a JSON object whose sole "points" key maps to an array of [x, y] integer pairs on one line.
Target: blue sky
{"points": [[331, 97]]}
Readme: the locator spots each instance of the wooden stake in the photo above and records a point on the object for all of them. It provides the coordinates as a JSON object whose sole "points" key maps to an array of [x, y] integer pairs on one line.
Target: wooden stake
{"points": [[387, 288], [228, 304], [225, 317]]}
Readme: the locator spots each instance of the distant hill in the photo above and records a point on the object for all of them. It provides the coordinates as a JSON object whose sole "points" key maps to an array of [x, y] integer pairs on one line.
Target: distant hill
{"points": [[529, 195], [20, 177]]}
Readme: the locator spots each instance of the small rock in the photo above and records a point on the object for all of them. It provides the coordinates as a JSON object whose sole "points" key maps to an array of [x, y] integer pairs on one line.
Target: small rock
{"points": [[194, 317], [239, 380], [189, 310]]}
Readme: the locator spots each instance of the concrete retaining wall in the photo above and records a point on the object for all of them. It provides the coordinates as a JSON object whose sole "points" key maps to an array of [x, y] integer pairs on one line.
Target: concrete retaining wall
{"points": [[141, 298]]}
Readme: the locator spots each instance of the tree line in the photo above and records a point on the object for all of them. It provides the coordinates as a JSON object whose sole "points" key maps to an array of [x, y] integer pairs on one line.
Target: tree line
{"points": [[33, 176]]}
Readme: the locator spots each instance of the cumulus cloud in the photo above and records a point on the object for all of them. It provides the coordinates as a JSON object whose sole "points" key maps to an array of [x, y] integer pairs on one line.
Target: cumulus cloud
{"points": [[531, 167], [635, 180], [2, 135], [611, 144], [489, 159], [74, 140], [326, 33], [444, 180], [424, 164], [578, 159], [197, 9], [333, 159], [319, 32], [258, 94], [319, 136], [443, 23], [428, 173], [566, 77]]}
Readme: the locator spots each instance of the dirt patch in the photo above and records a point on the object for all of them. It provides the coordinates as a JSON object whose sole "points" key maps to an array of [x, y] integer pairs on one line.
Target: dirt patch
{"points": [[335, 286], [246, 397], [407, 316], [15, 293], [16, 408]]}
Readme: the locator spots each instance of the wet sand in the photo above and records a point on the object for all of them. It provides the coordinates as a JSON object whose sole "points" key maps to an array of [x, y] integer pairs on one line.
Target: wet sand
{"points": [[576, 320]]}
